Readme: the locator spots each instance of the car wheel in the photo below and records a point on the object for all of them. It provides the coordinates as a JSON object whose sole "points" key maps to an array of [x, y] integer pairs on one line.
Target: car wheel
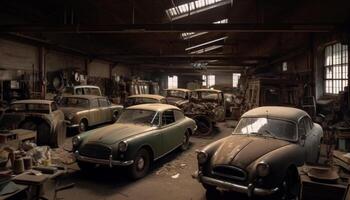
{"points": [[141, 164], [85, 166], [114, 117], [186, 141], [290, 186], [82, 125], [211, 190]]}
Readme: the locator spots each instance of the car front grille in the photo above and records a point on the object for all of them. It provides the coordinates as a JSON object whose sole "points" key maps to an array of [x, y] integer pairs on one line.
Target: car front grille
{"points": [[230, 172], [96, 151]]}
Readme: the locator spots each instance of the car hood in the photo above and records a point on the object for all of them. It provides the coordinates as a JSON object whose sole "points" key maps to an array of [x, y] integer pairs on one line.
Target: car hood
{"points": [[242, 150], [67, 110], [114, 133]]}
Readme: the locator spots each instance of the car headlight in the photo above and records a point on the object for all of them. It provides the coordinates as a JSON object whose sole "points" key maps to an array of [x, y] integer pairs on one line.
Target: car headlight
{"points": [[263, 169], [202, 157], [123, 146], [70, 116], [76, 141]]}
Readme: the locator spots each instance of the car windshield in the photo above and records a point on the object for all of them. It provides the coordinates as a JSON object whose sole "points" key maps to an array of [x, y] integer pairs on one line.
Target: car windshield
{"points": [[29, 107], [176, 93], [276, 128], [139, 116], [74, 102], [205, 96]]}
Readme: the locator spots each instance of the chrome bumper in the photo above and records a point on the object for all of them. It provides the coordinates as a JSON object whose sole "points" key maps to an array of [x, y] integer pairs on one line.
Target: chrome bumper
{"points": [[72, 125], [250, 190], [109, 162]]}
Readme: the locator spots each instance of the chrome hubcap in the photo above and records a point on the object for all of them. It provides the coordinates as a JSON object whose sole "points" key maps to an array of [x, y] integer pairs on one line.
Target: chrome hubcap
{"points": [[82, 126], [140, 164]]}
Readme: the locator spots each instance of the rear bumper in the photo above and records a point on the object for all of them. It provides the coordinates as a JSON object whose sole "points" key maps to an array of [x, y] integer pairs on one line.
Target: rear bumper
{"points": [[108, 162], [250, 190]]}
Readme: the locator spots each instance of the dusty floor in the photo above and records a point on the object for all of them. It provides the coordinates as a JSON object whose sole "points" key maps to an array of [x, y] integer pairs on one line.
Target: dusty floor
{"points": [[170, 178]]}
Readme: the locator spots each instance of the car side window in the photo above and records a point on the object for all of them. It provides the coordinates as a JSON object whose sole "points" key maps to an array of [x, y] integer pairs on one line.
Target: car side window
{"points": [[53, 107], [178, 115], [79, 91], [93, 103], [168, 117], [301, 128], [103, 102]]}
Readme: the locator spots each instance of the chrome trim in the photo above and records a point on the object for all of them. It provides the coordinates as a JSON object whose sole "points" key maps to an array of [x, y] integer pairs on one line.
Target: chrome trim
{"points": [[230, 176], [249, 190], [108, 162], [72, 125]]}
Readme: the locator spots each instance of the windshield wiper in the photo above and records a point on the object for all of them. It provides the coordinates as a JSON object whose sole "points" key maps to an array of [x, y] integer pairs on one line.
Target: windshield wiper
{"points": [[270, 133]]}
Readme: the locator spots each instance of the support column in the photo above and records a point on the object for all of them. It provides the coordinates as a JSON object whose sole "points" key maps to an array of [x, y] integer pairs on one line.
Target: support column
{"points": [[42, 72]]}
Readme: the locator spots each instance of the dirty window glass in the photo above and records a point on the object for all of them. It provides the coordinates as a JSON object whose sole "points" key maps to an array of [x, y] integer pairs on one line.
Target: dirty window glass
{"points": [[93, 103], [301, 127], [95, 91], [103, 102], [176, 93], [149, 100], [267, 127], [79, 91], [168, 117], [138, 116], [74, 102], [53, 106], [41, 108]]}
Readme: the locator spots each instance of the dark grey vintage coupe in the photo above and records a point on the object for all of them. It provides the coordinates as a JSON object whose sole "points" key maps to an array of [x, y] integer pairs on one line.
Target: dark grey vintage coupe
{"points": [[142, 134], [262, 155]]}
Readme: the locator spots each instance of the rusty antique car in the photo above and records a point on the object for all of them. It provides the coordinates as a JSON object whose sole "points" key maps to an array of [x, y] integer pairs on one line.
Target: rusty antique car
{"points": [[144, 99], [142, 134], [262, 155], [177, 96], [42, 116], [206, 107], [82, 111]]}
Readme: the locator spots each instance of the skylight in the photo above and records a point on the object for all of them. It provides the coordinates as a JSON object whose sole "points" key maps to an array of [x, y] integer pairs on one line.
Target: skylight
{"points": [[193, 7], [207, 49], [189, 35], [206, 43]]}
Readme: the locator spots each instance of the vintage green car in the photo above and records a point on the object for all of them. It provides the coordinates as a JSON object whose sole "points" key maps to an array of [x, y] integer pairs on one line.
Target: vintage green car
{"points": [[83, 111], [142, 134]]}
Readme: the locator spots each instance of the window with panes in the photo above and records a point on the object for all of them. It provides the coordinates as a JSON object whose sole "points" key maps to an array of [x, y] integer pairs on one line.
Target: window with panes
{"points": [[335, 68]]}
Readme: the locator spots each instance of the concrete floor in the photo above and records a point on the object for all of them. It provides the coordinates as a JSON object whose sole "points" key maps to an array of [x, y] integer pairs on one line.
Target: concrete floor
{"points": [[111, 184]]}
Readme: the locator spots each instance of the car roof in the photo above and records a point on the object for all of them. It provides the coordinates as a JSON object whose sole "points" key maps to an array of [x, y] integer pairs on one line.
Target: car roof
{"points": [[179, 89], [151, 96], [279, 112], [206, 90], [84, 96], [154, 107], [33, 101]]}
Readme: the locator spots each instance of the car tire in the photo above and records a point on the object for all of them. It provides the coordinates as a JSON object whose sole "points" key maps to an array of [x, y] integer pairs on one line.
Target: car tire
{"points": [[211, 190], [290, 186], [186, 141], [141, 165], [85, 166], [83, 126]]}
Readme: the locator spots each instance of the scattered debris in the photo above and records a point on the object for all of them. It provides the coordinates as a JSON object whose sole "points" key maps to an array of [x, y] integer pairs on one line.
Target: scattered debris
{"points": [[175, 176]]}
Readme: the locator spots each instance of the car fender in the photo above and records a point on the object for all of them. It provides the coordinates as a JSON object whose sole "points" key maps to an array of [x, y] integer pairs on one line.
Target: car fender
{"points": [[279, 161]]}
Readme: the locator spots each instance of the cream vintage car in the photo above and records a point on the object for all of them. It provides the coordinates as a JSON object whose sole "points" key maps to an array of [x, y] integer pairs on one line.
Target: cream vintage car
{"points": [[82, 111]]}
